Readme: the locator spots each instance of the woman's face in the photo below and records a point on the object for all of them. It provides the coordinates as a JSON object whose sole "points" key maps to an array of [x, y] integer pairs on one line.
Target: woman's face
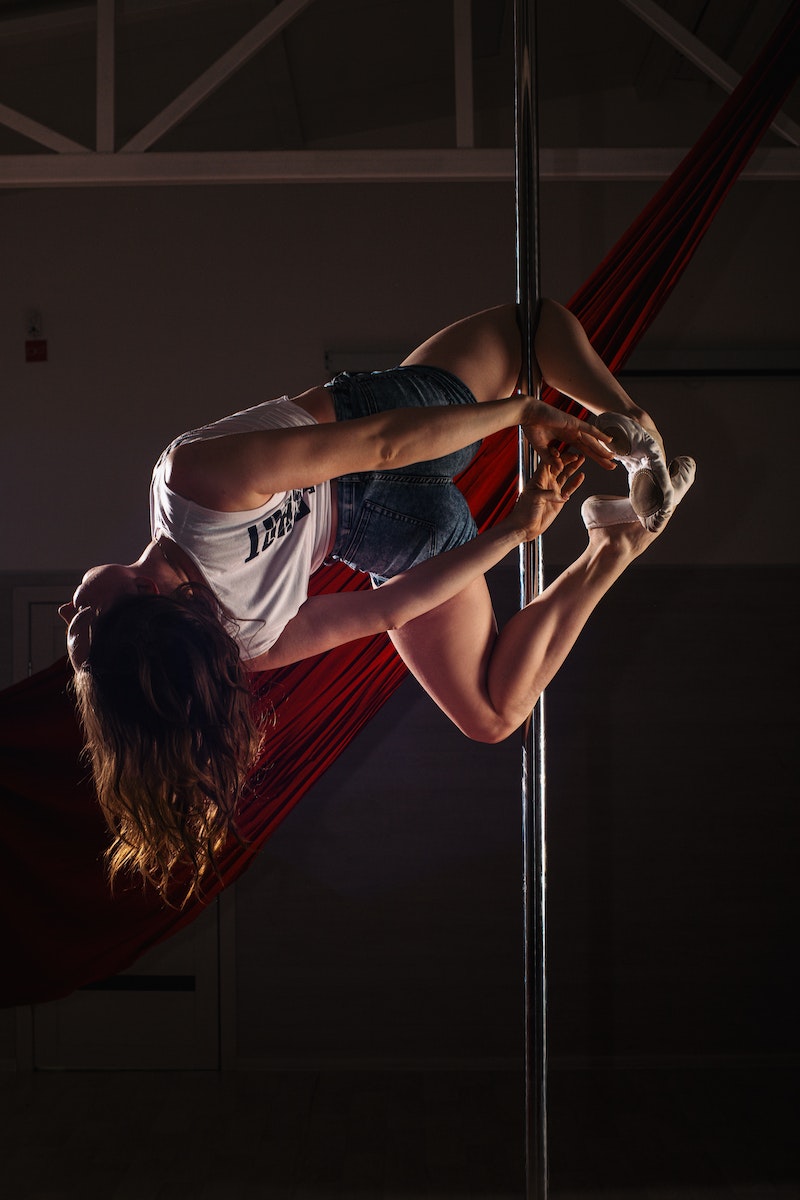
{"points": [[99, 590]]}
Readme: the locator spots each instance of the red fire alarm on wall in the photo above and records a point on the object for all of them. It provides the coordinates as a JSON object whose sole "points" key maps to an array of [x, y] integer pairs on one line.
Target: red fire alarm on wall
{"points": [[35, 344], [36, 350]]}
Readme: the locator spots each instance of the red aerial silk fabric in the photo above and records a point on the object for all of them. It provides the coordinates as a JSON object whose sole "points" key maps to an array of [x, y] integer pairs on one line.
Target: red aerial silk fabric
{"points": [[60, 928]]}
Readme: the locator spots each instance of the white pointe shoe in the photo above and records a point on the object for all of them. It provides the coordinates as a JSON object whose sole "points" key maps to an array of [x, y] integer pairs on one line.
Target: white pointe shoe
{"points": [[652, 487], [648, 479], [598, 512]]}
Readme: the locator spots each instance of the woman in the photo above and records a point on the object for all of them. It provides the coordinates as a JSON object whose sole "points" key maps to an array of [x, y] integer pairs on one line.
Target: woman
{"points": [[360, 470]]}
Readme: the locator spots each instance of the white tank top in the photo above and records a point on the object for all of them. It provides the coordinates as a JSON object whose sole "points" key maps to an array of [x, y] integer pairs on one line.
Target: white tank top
{"points": [[258, 562]]}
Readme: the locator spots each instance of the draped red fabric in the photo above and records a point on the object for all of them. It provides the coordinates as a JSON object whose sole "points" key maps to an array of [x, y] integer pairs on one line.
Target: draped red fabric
{"points": [[60, 927]]}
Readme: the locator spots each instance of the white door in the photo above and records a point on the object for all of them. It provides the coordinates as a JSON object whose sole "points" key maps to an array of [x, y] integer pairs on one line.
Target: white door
{"points": [[160, 1014]]}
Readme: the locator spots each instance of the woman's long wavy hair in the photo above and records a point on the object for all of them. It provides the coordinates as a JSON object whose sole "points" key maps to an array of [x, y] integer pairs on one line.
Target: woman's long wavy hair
{"points": [[167, 713]]}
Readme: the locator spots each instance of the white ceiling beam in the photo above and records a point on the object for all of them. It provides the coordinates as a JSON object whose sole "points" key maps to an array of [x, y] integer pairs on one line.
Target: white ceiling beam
{"points": [[278, 82], [217, 74], [106, 33], [38, 133], [363, 166], [706, 60], [465, 105]]}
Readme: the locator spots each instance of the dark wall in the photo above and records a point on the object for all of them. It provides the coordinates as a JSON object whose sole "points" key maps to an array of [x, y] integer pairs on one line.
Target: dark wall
{"points": [[382, 923], [384, 917], [673, 823]]}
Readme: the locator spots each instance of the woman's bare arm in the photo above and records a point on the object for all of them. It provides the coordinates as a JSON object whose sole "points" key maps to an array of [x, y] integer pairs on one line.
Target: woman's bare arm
{"points": [[238, 471], [331, 620]]}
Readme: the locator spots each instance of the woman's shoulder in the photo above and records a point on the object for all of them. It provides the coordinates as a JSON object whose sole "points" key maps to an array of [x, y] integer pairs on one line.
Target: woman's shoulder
{"points": [[280, 413], [199, 466]]}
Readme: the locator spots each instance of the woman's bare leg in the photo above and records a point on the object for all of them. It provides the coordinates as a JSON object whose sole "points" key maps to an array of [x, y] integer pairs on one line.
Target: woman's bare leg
{"points": [[488, 682], [484, 351]]}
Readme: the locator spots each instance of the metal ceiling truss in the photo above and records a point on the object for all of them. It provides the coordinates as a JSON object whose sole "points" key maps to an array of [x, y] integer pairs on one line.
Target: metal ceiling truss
{"points": [[136, 164], [699, 54]]}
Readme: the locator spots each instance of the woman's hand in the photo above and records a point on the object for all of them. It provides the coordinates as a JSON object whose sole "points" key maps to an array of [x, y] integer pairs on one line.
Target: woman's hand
{"points": [[546, 493], [547, 427]]}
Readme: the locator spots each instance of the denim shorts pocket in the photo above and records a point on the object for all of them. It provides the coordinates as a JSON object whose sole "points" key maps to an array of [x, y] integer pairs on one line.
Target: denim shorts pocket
{"points": [[385, 541]]}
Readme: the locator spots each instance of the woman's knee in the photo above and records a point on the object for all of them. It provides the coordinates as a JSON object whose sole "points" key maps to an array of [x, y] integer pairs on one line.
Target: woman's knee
{"points": [[487, 727]]}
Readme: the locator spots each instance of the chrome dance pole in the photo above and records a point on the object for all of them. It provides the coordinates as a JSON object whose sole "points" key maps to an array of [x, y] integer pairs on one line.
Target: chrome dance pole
{"points": [[531, 583]]}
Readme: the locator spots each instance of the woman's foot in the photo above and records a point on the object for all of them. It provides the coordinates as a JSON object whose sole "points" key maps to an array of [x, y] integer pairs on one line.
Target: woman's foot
{"points": [[600, 512], [613, 525], [655, 490], [614, 519], [643, 458]]}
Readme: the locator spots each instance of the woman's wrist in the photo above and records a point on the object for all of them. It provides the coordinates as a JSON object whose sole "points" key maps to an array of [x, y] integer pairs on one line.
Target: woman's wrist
{"points": [[530, 409], [513, 530], [520, 526]]}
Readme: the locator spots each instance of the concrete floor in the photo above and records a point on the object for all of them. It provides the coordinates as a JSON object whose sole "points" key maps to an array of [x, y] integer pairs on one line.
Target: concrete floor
{"points": [[681, 1134]]}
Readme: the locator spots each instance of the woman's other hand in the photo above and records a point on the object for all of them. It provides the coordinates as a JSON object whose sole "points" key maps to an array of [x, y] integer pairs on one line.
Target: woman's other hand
{"points": [[546, 493]]}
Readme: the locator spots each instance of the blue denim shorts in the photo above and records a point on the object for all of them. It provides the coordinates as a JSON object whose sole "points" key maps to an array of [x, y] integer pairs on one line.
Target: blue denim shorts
{"points": [[391, 520]]}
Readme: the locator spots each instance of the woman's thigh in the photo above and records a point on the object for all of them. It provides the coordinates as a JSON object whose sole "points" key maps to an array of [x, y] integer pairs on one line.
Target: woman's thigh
{"points": [[483, 351], [448, 651]]}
